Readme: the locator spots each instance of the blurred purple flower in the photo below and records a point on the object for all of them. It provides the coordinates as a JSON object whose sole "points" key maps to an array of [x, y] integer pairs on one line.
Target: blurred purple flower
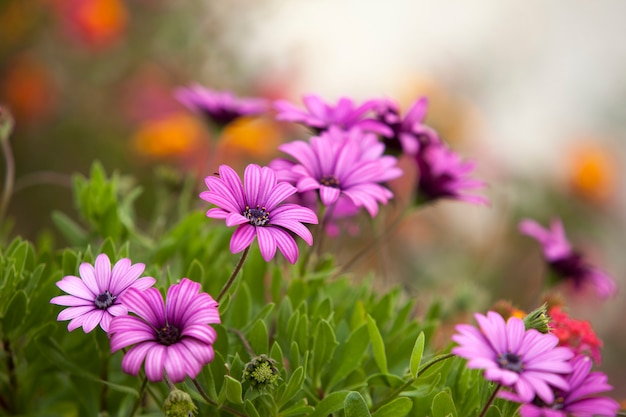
{"points": [[319, 115], [257, 210], [566, 262], [221, 107], [174, 336], [408, 132], [95, 297], [442, 174], [526, 360], [580, 400], [340, 167]]}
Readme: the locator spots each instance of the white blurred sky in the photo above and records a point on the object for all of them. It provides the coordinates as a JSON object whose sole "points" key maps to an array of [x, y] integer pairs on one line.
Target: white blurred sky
{"points": [[539, 72]]}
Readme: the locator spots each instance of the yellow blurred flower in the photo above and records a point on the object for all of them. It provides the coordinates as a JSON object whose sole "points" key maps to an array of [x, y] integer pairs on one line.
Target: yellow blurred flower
{"points": [[174, 135], [592, 172], [257, 136]]}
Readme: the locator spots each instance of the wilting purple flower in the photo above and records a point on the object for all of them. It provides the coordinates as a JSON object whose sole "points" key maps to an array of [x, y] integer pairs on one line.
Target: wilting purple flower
{"points": [[222, 107], [174, 336], [442, 174], [408, 132], [526, 360], [95, 297], [256, 209], [340, 167], [319, 115], [580, 400], [565, 261]]}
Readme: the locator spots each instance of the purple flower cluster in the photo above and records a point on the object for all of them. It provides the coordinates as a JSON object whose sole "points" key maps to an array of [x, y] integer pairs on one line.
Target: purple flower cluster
{"points": [[547, 380]]}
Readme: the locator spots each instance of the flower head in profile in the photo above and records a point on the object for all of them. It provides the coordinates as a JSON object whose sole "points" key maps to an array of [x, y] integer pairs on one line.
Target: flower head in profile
{"points": [[443, 174], [320, 115], [567, 263], [577, 335], [95, 297], [341, 168], [408, 131], [256, 208], [526, 360], [172, 336], [581, 399], [221, 107]]}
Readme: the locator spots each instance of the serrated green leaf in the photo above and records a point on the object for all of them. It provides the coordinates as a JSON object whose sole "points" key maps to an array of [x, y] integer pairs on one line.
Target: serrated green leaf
{"points": [[443, 405], [378, 346], [331, 403], [233, 390], [399, 407], [355, 406], [416, 355]]}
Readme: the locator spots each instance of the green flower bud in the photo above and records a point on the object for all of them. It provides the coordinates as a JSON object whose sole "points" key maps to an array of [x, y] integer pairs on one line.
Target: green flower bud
{"points": [[179, 404], [538, 319], [261, 372]]}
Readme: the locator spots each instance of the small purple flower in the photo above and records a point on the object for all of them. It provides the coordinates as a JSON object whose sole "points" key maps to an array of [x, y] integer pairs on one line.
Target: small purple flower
{"points": [[442, 174], [174, 336], [95, 297], [565, 261], [580, 400], [525, 360], [341, 167], [319, 115], [222, 107], [408, 132], [256, 209]]}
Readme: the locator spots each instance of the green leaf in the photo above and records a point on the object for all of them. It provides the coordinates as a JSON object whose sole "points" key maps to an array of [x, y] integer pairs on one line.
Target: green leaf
{"points": [[355, 406], [251, 409], [293, 386], [349, 355], [276, 353], [195, 271], [75, 234], [331, 403], [378, 346], [323, 347], [108, 248], [299, 408], [233, 390], [15, 313], [399, 407], [258, 338], [416, 355], [443, 405], [493, 411]]}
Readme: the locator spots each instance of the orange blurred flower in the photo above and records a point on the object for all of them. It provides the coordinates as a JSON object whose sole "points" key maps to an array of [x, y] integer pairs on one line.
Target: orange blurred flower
{"points": [[96, 23], [27, 89], [257, 136], [174, 135], [592, 172]]}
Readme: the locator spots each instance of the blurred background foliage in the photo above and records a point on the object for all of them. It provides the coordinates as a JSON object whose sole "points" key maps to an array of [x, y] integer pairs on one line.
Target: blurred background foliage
{"points": [[93, 80]]}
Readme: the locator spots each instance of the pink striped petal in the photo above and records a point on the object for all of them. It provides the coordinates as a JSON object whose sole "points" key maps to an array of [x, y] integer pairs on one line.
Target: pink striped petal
{"points": [[92, 319], [267, 244], [242, 238], [70, 300], [135, 356], [75, 286], [88, 274], [103, 273], [155, 360], [73, 312]]}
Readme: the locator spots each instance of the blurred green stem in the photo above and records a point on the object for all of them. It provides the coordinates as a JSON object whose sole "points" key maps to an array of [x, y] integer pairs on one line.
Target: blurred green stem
{"points": [[6, 127], [206, 398], [142, 391], [490, 400], [233, 275]]}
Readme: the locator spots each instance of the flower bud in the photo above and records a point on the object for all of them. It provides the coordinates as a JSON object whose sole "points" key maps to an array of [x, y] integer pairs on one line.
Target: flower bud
{"points": [[538, 319], [261, 372], [179, 404]]}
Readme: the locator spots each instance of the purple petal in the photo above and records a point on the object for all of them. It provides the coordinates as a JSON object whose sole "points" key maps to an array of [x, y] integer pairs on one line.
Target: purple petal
{"points": [[278, 194], [88, 274], [71, 301], [175, 363], [202, 352], [124, 275], [252, 183], [135, 356], [287, 245], [515, 330], [76, 287], [296, 227], [147, 304], [329, 195], [72, 312], [234, 219], [103, 273], [201, 332], [267, 244], [92, 319], [242, 238], [179, 297], [155, 360], [233, 182]]}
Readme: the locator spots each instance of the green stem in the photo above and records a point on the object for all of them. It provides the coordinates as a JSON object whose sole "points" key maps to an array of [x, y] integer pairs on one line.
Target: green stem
{"points": [[168, 382], [6, 127], [142, 391], [233, 275], [490, 400], [244, 341], [411, 380], [206, 398]]}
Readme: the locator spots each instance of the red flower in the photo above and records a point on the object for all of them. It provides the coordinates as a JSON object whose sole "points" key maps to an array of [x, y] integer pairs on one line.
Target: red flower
{"points": [[578, 335]]}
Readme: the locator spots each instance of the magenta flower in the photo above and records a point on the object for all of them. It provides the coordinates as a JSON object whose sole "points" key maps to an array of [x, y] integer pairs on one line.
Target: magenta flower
{"points": [[95, 297], [257, 209], [319, 115], [341, 167], [526, 360], [174, 336], [408, 132], [221, 107], [580, 400], [566, 262], [442, 174]]}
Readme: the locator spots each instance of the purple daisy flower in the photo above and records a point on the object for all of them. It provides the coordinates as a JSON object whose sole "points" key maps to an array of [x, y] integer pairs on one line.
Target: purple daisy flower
{"points": [[408, 132], [580, 400], [341, 167], [222, 107], [319, 115], [174, 335], [257, 209], [525, 360], [565, 261], [95, 297], [442, 174]]}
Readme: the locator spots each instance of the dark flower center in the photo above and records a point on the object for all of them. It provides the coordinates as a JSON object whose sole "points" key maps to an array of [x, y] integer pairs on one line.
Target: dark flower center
{"points": [[558, 404], [511, 362], [330, 181], [168, 335], [258, 216], [572, 267], [104, 300]]}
